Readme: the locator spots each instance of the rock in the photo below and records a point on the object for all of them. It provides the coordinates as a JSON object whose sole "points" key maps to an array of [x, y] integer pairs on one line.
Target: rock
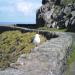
{"points": [[54, 24], [57, 2], [73, 13], [46, 8], [47, 1], [21, 61], [67, 10], [55, 11], [73, 22], [49, 25], [66, 23], [46, 14]]}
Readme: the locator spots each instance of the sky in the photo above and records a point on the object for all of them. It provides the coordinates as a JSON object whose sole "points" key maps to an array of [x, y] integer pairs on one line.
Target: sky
{"points": [[19, 11]]}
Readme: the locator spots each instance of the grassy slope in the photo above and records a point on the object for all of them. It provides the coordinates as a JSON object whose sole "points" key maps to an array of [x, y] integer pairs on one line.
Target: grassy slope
{"points": [[14, 43]]}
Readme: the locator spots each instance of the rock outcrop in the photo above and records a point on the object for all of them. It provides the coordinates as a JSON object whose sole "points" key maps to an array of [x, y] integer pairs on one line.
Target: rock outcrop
{"points": [[53, 13]]}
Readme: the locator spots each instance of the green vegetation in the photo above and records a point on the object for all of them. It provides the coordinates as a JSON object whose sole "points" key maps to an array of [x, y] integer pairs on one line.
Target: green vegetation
{"points": [[52, 29], [68, 1], [14, 43], [71, 59]]}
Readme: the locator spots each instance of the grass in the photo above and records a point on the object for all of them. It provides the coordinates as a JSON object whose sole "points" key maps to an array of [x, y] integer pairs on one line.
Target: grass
{"points": [[68, 1], [13, 44], [52, 29], [70, 60]]}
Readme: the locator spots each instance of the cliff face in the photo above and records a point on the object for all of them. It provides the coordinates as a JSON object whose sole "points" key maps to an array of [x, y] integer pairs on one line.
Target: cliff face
{"points": [[53, 13], [57, 2], [46, 10]]}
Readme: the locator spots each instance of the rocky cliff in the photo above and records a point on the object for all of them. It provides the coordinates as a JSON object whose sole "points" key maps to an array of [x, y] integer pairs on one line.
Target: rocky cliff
{"points": [[55, 14]]}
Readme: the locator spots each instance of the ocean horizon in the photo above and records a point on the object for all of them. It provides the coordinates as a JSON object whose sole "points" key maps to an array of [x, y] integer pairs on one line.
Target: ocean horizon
{"points": [[14, 23]]}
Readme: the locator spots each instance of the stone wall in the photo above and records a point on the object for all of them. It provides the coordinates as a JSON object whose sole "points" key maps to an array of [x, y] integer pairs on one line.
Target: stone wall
{"points": [[50, 58]]}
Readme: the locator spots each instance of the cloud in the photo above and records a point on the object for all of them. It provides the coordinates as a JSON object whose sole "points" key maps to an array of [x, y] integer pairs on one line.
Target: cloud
{"points": [[23, 7], [21, 10], [26, 7], [8, 9]]}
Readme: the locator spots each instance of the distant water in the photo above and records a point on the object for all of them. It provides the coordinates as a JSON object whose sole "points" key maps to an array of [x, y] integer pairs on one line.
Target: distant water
{"points": [[7, 23], [12, 23]]}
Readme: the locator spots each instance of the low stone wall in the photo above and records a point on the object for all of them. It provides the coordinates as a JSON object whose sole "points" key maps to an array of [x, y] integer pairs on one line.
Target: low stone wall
{"points": [[48, 35], [50, 58]]}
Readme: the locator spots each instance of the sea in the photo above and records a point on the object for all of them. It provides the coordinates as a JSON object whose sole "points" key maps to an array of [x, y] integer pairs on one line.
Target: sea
{"points": [[14, 23]]}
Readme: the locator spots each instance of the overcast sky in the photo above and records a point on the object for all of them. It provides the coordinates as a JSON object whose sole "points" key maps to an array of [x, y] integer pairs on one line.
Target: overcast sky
{"points": [[19, 11]]}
